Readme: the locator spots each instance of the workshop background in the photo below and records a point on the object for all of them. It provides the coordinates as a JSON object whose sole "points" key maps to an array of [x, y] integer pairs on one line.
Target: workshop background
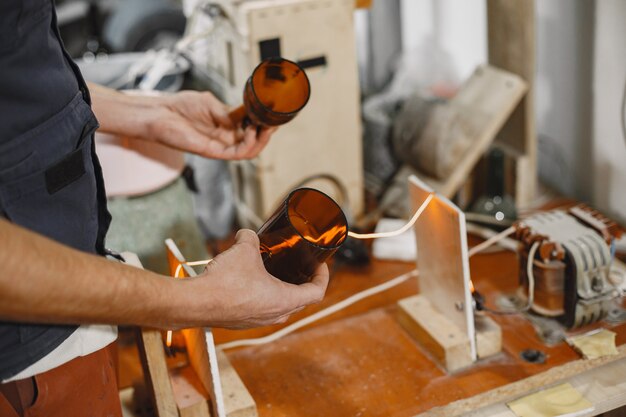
{"points": [[579, 80], [398, 88]]}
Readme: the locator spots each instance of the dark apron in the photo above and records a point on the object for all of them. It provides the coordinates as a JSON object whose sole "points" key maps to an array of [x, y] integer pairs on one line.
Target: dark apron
{"points": [[50, 178]]}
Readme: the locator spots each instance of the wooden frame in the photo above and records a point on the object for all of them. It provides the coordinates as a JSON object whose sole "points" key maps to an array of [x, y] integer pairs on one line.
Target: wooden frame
{"points": [[325, 138], [441, 317], [176, 393], [511, 45], [482, 106]]}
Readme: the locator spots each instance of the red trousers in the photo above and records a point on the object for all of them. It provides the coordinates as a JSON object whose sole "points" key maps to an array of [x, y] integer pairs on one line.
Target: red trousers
{"points": [[83, 387]]}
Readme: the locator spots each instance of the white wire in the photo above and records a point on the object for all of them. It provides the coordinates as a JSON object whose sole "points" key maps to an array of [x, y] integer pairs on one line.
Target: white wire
{"points": [[322, 313], [178, 268], [492, 240], [531, 285], [395, 232], [193, 263], [373, 290], [531, 276]]}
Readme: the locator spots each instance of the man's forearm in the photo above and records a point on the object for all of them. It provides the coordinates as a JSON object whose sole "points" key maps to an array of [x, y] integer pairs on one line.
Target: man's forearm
{"points": [[43, 281], [123, 114]]}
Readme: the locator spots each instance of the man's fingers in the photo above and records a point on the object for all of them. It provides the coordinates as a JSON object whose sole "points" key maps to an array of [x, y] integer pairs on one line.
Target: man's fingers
{"points": [[247, 236], [244, 148], [312, 292], [262, 139], [221, 116]]}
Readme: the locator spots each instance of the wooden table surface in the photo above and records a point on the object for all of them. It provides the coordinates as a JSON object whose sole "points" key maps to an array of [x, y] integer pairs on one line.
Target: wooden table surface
{"points": [[360, 362]]}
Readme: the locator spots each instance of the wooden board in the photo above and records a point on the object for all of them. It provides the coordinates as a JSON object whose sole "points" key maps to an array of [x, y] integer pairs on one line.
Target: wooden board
{"points": [[444, 340], [237, 400], [488, 336], [481, 107], [325, 137], [205, 359], [361, 360], [189, 393], [200, 344], [599, 380], [442, 259], [152, 357], [511, 46]]}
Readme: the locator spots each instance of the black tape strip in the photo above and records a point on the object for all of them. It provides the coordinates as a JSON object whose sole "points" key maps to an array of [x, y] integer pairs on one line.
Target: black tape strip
{"points": [[269, 48], [319, 61], [63, 173]]}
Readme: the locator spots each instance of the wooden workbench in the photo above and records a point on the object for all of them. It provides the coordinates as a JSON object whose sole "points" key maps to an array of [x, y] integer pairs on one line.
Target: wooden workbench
{"points": [[360, 362]]}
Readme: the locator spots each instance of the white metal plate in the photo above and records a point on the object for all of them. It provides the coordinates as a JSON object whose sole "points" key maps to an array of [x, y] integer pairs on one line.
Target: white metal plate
{"points": [[442, 258]]}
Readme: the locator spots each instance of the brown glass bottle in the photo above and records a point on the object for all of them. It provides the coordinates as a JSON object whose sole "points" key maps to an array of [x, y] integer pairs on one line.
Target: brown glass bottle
{"points": [[303, 232], [274, 94]]}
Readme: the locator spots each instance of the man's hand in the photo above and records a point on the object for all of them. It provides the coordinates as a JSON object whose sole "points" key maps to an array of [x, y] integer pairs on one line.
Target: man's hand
{"points": [[199, 123], [43, 281], [250, 296], [189, 121]]}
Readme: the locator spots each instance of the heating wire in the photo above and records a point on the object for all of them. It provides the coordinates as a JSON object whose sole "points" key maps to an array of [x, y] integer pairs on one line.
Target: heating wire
{"points": [[370, 291]]}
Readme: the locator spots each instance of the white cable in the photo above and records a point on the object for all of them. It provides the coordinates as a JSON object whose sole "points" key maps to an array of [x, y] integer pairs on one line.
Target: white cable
{"points": [[399, 231], [531, 276], [480, 247], [193, 263], [370, 291], [531, 286], [321, 314]]}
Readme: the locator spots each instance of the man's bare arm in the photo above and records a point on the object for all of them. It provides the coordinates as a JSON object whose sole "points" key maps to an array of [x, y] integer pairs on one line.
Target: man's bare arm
{"points": [[191, 121], [44, 281]]}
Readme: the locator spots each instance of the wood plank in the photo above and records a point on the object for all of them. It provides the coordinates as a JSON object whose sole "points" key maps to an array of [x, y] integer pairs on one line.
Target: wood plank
{"points": [[488, 336], [439, 336], [237, 400], [477, 113], [325, 138], [190, 395], [605, 387], [602, 382], [152, 357], [442, 259], [511, 46], [200, 361], [333, 367], [200, 344]]}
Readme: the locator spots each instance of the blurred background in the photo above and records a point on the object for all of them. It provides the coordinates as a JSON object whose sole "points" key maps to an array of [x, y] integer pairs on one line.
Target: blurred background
{"points": [[383, 73]]}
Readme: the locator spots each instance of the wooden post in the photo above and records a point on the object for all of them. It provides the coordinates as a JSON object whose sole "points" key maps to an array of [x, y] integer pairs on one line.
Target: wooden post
{"points": [[441, 318], [188, 391], [227, 393], [152, 356], [199, 342], [511, 44]]}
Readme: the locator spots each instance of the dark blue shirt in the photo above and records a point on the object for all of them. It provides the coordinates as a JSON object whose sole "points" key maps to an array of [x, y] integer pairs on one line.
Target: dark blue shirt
{"points": [[50, 178], [36, 79]]}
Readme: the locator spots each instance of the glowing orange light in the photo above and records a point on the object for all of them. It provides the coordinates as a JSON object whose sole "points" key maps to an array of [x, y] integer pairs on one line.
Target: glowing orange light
{"points": [[168, 336], [471, 285]]}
